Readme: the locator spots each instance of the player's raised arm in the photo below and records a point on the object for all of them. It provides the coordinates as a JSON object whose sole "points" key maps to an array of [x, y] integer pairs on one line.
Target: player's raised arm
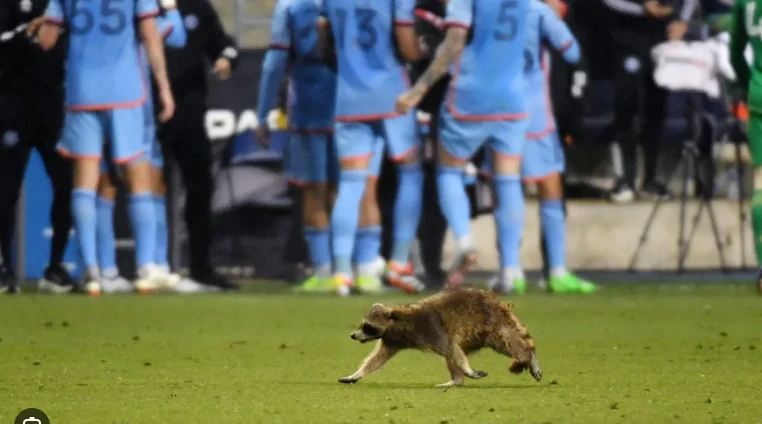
{"points": [[273, 68], [457, 23], [171, 25], [739, 38], [50, 30], [555, 32], [404, 30], [154, 44]]}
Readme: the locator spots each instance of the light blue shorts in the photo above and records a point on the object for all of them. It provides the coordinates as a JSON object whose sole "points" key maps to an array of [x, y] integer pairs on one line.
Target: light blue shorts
{"points": [[462, 139], [542, 158], [358, 139], [85, 133]]}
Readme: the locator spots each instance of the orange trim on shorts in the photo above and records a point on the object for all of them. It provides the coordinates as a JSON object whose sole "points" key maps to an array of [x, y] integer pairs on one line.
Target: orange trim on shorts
{"points": [[363, 118], [69, 155], [354, 159], [151, 14], [478, 118], [540, 178], [53, 21], [405, 154], [129, 158]]}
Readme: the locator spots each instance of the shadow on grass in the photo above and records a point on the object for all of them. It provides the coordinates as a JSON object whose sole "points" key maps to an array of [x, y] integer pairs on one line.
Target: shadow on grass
{"points": [[372, 385]]}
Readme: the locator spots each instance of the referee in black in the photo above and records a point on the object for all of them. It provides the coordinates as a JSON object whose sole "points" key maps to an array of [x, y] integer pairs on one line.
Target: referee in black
{"points": [[617, 36], [31, 116], [184, 138]]}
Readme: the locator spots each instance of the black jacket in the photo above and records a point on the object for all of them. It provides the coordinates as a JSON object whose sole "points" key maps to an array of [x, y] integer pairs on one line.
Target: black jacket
{"points": [[189, 66], [630, 14], [24, 67]]}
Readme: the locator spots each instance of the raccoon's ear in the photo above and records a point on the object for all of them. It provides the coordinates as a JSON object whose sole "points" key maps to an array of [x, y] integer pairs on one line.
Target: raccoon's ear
{"points": [[378, 305]]}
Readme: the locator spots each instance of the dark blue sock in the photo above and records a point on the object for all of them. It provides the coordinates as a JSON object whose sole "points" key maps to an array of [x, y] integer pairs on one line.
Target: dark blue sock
{"points": [[344, 218], [554, 228], [509, 218], [407, 211], [106, 239], [85, 220], [143, 218]]}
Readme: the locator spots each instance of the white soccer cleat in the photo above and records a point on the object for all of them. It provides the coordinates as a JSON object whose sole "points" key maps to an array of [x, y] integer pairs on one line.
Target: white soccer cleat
{"points": [[188, 286], [118, 284], [93, 288], [151, 279]]}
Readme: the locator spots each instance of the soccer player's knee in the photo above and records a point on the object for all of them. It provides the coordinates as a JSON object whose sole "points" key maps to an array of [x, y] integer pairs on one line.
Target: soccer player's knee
{"points": [[506, 165], [758, 177]]}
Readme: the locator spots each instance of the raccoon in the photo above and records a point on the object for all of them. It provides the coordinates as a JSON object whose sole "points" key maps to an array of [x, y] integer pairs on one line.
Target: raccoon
{"points": [[453, 324]]}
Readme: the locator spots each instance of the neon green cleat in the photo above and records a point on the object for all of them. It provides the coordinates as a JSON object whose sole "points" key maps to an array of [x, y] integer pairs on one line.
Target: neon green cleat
{"points": [[341, 285], [570, 283], [314, 284], [369, 284], [519, 285]]}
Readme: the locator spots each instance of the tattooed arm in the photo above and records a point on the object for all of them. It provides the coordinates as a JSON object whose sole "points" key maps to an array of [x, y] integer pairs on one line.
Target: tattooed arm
{"points": [[446, 55]]}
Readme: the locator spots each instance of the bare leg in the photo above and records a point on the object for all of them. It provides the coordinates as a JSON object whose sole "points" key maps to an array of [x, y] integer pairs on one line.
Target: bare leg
{"points": [[373, 362], [456, 376]]}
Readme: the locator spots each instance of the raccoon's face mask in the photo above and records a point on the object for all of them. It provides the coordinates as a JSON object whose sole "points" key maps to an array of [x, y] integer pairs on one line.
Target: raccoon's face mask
{"points": [[373, 326]]}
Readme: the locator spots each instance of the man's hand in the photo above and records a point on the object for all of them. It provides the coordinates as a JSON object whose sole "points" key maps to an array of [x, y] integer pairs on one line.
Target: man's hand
{"points": [[263, 134], [656, 10], [167, 105], [33, 26], [407, 101], [222, 68], [676, 30]]}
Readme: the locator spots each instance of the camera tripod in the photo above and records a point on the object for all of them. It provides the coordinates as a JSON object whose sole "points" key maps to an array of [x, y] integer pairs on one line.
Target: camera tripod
{"points": [[690, 161]]}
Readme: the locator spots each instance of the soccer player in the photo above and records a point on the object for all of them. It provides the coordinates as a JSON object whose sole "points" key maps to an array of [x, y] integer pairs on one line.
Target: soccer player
{"points": [[310, 156], [371, 40], [747, 30], [172, 28], [105, 92], [486, 105], [543, 156]]}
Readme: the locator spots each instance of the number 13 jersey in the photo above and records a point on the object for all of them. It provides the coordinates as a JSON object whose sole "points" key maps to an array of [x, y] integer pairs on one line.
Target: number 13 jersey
{"points": [[103, 69], [370, 73], [488, 79]]}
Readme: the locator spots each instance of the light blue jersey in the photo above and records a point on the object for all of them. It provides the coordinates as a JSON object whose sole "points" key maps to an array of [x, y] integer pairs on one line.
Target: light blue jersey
{"points": [[544, 28], [103, 70], [312, 86], [488, 80], [371, 75]]}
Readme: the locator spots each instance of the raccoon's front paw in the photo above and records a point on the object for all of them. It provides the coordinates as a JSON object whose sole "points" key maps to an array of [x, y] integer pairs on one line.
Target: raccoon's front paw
{"points": [[477, 374], [349, 380]]}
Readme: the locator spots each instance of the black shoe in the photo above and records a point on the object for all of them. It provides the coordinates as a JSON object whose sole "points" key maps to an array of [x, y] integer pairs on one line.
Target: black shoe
{"points": [[8, 281], [56, 280], [622, 192], [212, 279], [759, 281], [655, 191]]}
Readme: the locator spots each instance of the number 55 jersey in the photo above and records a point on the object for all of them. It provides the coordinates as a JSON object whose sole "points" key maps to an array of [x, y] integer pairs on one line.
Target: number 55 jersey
{"points": [[105, 85]]}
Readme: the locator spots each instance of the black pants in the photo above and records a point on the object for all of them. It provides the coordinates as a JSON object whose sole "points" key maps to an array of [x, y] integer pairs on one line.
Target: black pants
{"points": [[185, 141], [26, 122], [624, 55]]}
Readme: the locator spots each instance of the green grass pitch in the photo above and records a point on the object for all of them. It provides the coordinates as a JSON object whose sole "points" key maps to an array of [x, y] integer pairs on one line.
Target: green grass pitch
{"points": [[657, 354]]}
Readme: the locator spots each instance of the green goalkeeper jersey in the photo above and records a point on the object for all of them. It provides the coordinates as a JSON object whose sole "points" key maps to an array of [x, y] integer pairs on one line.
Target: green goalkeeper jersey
{"points": [[747, 30]]}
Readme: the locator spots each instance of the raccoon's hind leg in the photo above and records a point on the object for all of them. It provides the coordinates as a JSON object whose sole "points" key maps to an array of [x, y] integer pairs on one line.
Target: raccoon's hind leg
{"points": [[455, 355], [520, 347], [380, 355], [456, 376]]}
